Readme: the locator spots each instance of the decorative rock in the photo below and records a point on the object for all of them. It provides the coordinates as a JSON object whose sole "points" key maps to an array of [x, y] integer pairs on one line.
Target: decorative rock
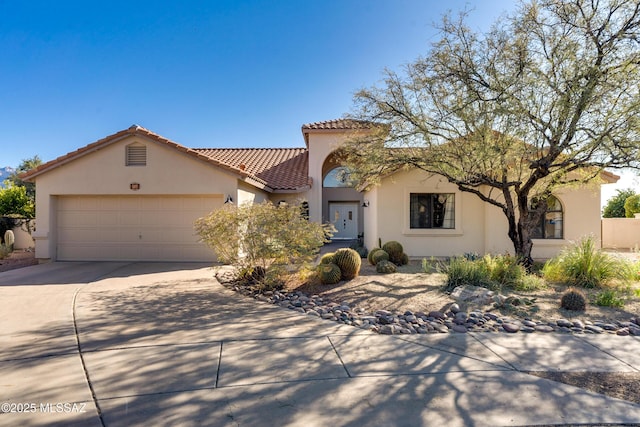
{"points": [[455, 308], [578, 324], [511, 327], [527, 329], [594, 329], [436, 315], [459, 328], [564, 323], [544, 328], [623, 332], [529, 323], [386, 329]]}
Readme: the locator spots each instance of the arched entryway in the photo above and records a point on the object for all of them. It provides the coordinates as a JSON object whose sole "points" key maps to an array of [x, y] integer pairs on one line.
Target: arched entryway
{"points": [[342, 204]]}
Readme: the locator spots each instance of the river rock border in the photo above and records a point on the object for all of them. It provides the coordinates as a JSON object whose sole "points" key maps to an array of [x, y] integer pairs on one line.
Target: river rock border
{"points": [[454, 320]]}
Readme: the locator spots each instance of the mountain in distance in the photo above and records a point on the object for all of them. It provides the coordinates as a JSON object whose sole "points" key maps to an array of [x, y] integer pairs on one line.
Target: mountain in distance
{"points": [[5, 173]]}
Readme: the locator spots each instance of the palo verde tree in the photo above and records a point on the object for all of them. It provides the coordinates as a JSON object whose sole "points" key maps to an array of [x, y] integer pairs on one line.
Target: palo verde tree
{"points": [[548, 97]]}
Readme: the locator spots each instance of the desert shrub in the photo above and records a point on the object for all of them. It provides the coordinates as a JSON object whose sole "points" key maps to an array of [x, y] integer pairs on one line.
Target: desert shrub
{"points": [[329, 273], [327, 258], [385, 267], [460, 271], [262, 235], [492, 272], [349, 262], [395, 251], [504, 269], [582, 264], [4, 251], [609, 298], [380, 255], [574, 300]]}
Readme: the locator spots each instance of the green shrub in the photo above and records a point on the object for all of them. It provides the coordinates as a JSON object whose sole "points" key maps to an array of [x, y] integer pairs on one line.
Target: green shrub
{"points": [[395, 251], [632, 205], [264, 235], [4, 251], [385, 267], [609, 298], [327, 258], [492, 272], [582, 264], [329, 273], [460, 271], [349, 262], [505, 269], [574, 300], [380, 255], [615, 205]]}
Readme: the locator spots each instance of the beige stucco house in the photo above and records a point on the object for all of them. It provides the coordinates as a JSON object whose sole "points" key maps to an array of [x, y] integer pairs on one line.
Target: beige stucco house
{"points": [[135, 195]]}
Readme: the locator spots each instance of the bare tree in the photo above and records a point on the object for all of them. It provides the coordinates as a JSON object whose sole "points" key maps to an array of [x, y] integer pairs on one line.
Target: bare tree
{"points": [[548, 97]]}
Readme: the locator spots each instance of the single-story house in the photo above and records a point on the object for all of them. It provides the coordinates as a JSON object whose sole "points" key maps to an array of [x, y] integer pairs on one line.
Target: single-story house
{"points": [[135, 195]]}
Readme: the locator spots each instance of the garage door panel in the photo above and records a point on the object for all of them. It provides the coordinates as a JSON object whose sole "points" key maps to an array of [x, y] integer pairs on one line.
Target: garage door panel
{"points": [[145, 228]]}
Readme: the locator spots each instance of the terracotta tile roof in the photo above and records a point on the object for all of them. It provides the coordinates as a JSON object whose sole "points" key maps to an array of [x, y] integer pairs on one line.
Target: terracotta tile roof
{"points": [[133, 130], [282, 169], [272, 169], [338, 124]]}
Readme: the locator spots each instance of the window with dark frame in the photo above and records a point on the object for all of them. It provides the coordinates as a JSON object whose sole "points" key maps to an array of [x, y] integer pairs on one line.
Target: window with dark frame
{"points": [[432, 210], [551, 225]]}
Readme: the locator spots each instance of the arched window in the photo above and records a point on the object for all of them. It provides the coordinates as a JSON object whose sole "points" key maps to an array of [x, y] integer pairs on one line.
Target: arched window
{"points": [[339, 177], [551, 224]]}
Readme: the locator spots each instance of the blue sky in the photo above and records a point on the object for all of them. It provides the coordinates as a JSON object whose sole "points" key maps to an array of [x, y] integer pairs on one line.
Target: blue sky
{"points": [[202, 73]]}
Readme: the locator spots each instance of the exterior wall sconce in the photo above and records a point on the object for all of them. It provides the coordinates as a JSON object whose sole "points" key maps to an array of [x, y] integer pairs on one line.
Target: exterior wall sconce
{"points": [[134, 186], [365, 204], [229, 199]]}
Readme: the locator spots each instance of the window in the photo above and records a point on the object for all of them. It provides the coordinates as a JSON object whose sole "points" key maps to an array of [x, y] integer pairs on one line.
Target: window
{"points": [[136, 155], [432, 210], [339, 177], [551, 224]]}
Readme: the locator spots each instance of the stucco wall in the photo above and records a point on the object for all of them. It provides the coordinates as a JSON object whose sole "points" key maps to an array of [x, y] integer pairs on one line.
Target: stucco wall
{"points": [[103, 172], [621, 233], [479, 227], [321, 145]]}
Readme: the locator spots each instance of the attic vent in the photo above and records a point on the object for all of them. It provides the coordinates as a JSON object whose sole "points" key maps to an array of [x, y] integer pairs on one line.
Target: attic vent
{"points": [[136, 155]]}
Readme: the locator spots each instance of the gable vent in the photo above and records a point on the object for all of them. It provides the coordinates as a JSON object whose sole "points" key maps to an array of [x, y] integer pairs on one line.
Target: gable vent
{"points": [[136, 155]]}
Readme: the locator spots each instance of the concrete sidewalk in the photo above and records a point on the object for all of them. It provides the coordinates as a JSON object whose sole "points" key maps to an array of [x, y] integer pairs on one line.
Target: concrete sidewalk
{"points": [[165, 344]]}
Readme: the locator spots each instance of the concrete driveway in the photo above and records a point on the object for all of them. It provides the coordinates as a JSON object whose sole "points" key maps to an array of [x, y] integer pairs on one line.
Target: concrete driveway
{"points": [[122, 344]]}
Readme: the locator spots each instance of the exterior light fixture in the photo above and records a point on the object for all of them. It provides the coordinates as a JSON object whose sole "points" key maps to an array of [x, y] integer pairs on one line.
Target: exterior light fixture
{"points": [[229, 199], [365, 204], [135, 186]]}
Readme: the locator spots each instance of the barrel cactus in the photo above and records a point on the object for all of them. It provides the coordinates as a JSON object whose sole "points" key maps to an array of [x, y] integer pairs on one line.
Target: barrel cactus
{"points": [[9, 239], [574, 300], [404, 259], [385, 267], [371, 253], [395, 251], [327, 258], [380, 255], [329, 273], [349, 262]]}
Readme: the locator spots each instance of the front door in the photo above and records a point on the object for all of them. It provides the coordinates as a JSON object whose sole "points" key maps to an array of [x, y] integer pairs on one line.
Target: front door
{"points": [[344, 217]]}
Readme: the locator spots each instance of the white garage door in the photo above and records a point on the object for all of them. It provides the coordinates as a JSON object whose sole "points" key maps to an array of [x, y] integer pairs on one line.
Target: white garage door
{"points": [[141, 228]]}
